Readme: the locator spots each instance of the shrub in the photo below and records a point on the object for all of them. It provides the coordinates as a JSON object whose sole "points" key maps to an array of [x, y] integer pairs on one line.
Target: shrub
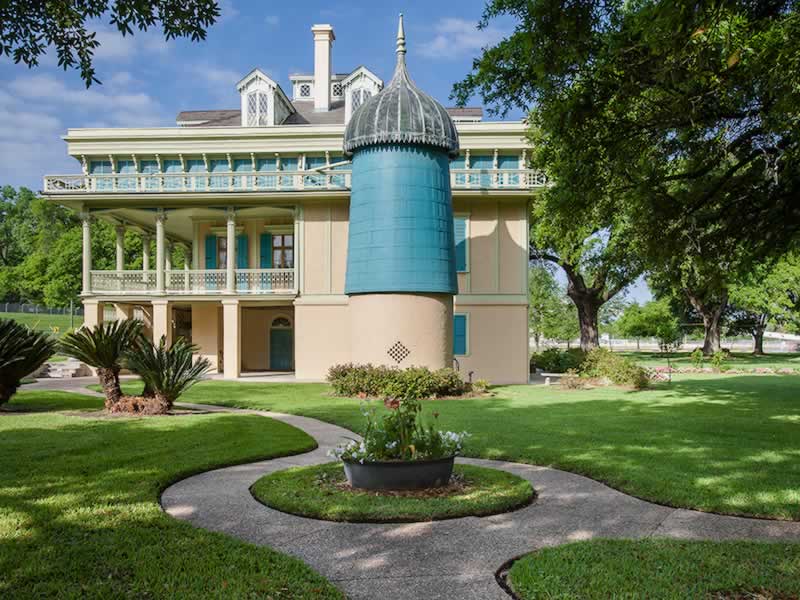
{"points": [[571, 380], [414, 383], [602, 363], [554, 360], [103, 347], [166, 372], [22, 351], [481, 386], [719, 361], [697, 358]]}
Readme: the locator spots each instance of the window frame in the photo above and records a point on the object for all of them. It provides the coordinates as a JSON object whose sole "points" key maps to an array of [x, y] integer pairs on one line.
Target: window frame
{"points": [[467, 227], [466, 333]]}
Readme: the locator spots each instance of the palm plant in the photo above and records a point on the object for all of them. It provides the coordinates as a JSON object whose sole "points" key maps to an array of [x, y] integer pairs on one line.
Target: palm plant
{"points": [[22, 351], [166, 372], [103, 347]]}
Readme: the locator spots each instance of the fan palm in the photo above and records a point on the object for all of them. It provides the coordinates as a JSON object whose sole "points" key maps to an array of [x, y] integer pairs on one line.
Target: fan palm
{"points": [[103, 347], [167, 372], [22, 351]]}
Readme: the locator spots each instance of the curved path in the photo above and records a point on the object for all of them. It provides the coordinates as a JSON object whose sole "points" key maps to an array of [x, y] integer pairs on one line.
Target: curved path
{"points": [[442, 559]]}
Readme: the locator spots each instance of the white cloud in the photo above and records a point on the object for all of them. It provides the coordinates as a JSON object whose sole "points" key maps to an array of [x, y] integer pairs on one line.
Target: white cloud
{"points": [[215, 76], [272, 20], [116, 47], [455, 37], [227, 11]]}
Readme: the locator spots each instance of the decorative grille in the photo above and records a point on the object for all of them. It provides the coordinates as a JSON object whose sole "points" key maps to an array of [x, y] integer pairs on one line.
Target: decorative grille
{"points": [[305, 90], [263, 102], [398, 352], [252, 110], [337, 89]]}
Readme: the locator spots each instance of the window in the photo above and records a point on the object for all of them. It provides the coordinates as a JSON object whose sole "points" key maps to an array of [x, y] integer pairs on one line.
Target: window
{"points": [[460, 334], [222, 251], [283, 251], [257, 109], [101, 167], [305, 90], [336, 89], [281, 323], [358, 97], [461, 239]]}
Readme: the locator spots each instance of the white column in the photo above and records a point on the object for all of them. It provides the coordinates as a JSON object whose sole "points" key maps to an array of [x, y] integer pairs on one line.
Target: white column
{"points": [[230, 266], [160, 250], [168, 257], [120, 229], [86, 220], [195, 245], [186, 277], [232, 332], [92, 313], [162, 321], [145, 252]]}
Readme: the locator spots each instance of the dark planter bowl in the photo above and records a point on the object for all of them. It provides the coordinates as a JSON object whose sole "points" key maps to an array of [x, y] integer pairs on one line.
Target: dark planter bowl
{"points": [[399, 475]]}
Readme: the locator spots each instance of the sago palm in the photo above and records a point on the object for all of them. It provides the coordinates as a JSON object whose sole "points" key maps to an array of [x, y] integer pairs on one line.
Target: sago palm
{"points": [[167, 372], [103, 347], [22, 351]]}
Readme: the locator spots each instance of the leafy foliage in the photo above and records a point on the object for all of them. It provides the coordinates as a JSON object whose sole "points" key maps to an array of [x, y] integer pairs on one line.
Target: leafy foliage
{"points": [[604, 364], [22, 351], [554, 360], [27, 28], [551, 314], [166, 371], [103, 347], [655, 319], [414, 383]]}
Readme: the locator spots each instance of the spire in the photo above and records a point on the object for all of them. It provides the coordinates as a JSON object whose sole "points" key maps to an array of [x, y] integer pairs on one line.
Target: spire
{"points": [[401, 38]]}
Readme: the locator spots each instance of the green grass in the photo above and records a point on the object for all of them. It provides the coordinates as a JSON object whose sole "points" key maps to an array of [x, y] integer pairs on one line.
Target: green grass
{"points": [[55, 324], [658, 569], [737, 360], [79, 511], [728, 444], [316, 492]]}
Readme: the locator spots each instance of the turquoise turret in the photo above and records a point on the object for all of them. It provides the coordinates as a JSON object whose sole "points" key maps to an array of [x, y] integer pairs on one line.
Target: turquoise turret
{"points": [[401, 215]]}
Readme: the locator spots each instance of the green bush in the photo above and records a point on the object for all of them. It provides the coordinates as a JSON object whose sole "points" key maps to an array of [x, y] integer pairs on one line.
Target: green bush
{"points": [[697, 358], [414, 383], [603, 363], [22, 351], [719, 361], [554, 360]]}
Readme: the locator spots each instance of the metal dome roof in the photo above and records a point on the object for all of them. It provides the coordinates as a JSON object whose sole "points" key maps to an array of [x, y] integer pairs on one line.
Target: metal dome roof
{"points": [[401, 113]]}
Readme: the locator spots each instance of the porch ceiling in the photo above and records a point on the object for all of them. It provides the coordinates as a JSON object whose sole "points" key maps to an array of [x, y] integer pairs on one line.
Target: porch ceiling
{"points": [[179, 225]]}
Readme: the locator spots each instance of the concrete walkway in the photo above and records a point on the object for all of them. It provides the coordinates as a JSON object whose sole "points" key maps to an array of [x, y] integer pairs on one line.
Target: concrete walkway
{"points": [[454, 559]]}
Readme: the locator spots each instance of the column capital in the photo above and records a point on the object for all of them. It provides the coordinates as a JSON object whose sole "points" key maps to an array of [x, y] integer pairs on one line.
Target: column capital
{"points": [[146, 235], [230, 214], [161, 215], [85, 216]]}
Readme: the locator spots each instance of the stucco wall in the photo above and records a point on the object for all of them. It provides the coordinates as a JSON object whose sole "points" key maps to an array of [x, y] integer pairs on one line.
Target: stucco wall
{"points": [[322, 338], [325, 226], [256, 322], [207, 331], [497, 338], [423, 323]]}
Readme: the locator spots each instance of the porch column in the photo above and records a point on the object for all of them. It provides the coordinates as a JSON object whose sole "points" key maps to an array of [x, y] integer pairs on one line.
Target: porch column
{"points": [[186, 276], [120, 229], [168, 257], [86, 221], [145, 252], [123, 311], [230, 266], [160, 250], [232, 333], [162, 321], [92, 313]]}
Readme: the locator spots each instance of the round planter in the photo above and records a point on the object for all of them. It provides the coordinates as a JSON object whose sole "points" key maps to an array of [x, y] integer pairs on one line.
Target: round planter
{"points": [[399, 475]]}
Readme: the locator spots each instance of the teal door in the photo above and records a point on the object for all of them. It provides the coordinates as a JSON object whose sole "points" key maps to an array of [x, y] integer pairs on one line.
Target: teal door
{"points": [[281, 349]]}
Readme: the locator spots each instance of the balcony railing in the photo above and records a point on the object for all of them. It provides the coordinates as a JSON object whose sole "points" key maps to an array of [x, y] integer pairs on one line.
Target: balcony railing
{"points": [[197, 282], [277, 181]]}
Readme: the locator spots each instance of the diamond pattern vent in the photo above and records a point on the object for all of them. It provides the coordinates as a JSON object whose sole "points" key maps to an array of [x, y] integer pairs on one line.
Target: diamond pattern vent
{"points": [[398, 352]]}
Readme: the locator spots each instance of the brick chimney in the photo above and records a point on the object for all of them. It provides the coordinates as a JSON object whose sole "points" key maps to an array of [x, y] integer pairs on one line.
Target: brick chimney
{"points": [[323, 40]]}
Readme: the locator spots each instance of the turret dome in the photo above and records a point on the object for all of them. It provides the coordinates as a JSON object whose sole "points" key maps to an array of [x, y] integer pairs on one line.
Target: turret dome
{"points": [[401, 113]]}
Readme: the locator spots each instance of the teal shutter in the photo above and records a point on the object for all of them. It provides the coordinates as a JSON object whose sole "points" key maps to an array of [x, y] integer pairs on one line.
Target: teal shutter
{"points": [[211, 251], [266, 251], [241, 251], [460, 230], [459, 334]]}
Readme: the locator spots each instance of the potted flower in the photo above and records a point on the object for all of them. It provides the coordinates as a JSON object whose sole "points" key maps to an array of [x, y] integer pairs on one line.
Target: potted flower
{"points": [[399, 451]]}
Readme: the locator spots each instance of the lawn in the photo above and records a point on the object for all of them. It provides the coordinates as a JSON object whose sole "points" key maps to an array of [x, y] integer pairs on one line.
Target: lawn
{"points": [[55, 324], [728, 444], [79, 511], [660, 569], [737, 360]]}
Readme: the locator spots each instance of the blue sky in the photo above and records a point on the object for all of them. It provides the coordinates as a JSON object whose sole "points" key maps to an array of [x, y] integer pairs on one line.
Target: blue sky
{"points": [[147, 81]]}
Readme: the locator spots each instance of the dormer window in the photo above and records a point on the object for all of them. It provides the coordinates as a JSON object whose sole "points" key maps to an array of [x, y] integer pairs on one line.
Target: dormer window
{"points": [[263, 102], [358, 97], [357, 88], [336, 89], [305, 90], [257, 109]]}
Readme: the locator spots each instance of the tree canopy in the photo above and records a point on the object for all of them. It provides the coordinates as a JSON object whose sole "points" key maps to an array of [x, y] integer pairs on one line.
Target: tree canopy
{"points": [[29, 29]]}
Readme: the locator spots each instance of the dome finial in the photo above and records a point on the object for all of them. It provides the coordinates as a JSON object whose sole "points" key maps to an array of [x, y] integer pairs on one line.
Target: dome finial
{"points": [[401, 38]]}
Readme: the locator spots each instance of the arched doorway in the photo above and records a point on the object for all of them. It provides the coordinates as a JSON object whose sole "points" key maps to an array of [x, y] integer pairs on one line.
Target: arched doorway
{"points": [[281, 345]]}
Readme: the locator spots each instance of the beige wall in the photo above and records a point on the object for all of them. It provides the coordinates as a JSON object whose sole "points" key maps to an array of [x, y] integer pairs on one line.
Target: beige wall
{"points": [[325, 226], [256, 322], [497, 247], [207, 331], [321, 337], [497, 343]]}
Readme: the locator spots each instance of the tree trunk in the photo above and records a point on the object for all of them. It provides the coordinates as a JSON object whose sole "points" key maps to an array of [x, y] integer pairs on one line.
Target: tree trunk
{"points": [[758, 337], [109, 381], [711, 311], [6, 391], [588, 308]]}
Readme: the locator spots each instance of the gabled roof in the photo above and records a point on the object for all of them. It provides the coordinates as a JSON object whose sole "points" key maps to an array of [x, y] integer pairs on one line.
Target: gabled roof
{"points": [[258, 74], [361, 70]]}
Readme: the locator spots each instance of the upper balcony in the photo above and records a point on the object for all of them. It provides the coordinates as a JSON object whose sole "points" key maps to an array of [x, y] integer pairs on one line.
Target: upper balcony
{"points": [[282, 181]]}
